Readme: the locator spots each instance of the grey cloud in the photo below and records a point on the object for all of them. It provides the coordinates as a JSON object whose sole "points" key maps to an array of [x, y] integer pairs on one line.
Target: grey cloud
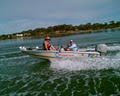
{"points": [[18, 15]]}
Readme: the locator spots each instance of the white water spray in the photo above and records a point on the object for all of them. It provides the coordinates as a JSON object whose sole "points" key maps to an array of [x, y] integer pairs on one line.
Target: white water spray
{"points": [[73, 64], [114, 48]]}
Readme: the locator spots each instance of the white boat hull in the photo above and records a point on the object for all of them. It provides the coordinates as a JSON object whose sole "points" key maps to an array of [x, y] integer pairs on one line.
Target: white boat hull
{"points": [[57, 55]]}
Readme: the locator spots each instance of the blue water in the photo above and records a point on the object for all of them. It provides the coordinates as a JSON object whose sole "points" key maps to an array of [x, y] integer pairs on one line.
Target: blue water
{"points": [[22, 75]]}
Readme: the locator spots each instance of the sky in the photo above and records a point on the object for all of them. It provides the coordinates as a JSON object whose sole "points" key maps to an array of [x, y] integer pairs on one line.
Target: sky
{"points": [[21, 15]]}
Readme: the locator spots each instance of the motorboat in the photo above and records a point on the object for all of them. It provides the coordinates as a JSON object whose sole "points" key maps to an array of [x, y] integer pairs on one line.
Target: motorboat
{"points": [[57, 54]]}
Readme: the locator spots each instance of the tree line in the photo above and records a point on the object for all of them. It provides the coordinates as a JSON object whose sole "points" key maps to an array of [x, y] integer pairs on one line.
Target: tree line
{"points": [[64, 28]]}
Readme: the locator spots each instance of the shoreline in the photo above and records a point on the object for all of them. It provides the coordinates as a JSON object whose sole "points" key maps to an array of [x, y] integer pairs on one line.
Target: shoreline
{"points": [[62, 34], [68, 33]]}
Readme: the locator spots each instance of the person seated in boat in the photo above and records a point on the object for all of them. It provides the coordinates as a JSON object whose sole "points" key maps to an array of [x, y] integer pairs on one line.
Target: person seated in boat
{"points": [[47, 45], [72, 46]]}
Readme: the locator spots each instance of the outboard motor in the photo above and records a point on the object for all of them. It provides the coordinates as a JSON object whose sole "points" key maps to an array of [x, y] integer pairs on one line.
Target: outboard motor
{"points": [[102, 48]]}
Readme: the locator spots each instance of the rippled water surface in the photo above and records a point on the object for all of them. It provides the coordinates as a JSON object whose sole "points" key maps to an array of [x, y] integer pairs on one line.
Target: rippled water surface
{"points": [[21, 75]]}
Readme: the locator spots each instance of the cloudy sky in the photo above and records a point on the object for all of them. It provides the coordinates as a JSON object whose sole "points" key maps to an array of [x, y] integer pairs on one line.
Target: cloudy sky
{"points": [[20, 15]]}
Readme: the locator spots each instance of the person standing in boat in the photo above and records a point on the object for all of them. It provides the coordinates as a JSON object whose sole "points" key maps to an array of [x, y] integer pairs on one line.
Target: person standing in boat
{"points": [[73, 46], [47, 45]]}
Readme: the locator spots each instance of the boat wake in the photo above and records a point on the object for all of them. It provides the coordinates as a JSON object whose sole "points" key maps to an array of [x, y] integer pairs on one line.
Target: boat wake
{"points": [[76, 64], [115, 47]]}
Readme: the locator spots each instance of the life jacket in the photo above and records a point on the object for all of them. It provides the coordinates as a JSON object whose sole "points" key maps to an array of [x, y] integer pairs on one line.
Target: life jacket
{"points": [[48, 45]]}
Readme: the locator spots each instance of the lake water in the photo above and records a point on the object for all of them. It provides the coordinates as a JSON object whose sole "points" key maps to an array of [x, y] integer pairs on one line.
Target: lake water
{"points": [[21, 75]]}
